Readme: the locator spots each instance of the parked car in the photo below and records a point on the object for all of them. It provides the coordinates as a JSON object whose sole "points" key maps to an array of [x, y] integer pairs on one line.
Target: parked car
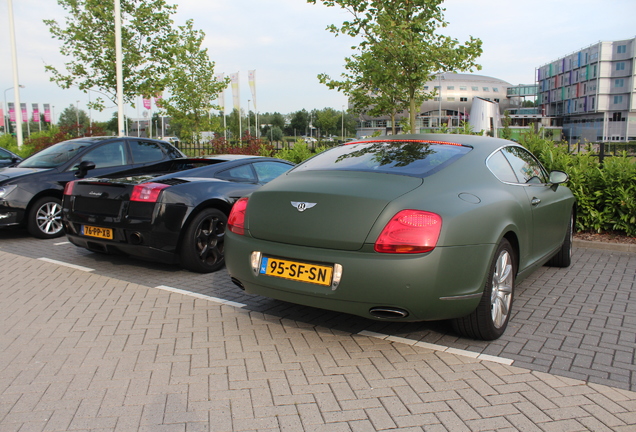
{"points": [[174, 217], [31, 192], [8, 158], [405, 228]]}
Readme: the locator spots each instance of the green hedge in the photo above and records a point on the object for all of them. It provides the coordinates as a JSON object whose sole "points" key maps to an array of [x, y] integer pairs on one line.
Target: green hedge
{"points": [[605, 193]]}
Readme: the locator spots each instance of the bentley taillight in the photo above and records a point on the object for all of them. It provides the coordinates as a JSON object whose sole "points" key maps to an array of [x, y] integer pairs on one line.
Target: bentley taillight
{"points": [[147, 192], [236, 221], [410, 231]]}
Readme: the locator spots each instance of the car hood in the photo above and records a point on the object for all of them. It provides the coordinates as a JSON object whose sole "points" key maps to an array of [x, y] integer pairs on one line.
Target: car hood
{"points": [[326, 209], [14, 172]]}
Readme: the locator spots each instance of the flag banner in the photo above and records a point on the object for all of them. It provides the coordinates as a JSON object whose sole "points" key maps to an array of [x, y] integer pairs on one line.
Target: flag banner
{"points": [[221, 96], [2, 115], [47, 113], [11, 112], [23, 108], [36, 113], [147, 103], [251, 78], [236, 91]]}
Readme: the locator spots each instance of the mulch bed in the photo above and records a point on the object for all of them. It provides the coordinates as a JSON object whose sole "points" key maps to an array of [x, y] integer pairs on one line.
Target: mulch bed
{"points": [[608, 237]]}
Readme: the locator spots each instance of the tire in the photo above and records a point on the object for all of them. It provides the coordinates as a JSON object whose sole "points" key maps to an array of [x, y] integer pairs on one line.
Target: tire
{"points": [[202, 247], [563, 257], [45, 218], [490, 319]]}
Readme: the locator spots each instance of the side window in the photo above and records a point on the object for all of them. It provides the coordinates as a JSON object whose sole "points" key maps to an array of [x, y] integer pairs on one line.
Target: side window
{"points": [[144, 151], [525, 166], [499, 166], [243, 173], [267, 171], [108, 155], [171, 151], [5, 156]]}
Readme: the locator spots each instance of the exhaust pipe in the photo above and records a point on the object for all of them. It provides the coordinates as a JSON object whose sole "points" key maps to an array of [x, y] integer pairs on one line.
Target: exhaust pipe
{"points": [[389, 313], [238, 283], [136, 238]]}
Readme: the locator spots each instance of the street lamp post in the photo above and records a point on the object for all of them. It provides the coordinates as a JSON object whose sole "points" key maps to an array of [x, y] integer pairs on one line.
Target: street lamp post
{"points": [[77, 115], [6, 107]]}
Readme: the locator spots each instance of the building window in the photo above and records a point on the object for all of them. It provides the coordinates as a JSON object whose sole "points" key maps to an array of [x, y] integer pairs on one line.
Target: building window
{"points": [[620, 66], [463, 88], [463, 99], [495, 89], [621, 49], [475, 88], [497, 100], [436, 87], [450, 99], [450, 87], [620, 82], [425, 87], [618, 99], [436, 99], [486, 89]]}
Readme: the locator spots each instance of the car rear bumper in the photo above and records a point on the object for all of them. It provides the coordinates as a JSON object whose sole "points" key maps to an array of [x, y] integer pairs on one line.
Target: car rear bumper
{"points": [[442, 284]]}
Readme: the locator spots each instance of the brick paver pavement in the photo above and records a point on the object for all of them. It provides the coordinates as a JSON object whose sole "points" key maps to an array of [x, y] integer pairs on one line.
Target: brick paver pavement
{"points": [[85, 352]]}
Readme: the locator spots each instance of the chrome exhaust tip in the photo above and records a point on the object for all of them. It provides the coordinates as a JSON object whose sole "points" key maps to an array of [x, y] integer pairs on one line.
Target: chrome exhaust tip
{"points": [[388, 312]]}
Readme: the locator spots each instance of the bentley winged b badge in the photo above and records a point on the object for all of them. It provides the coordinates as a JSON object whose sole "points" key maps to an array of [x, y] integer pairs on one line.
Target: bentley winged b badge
{"points": [[302, 206]]}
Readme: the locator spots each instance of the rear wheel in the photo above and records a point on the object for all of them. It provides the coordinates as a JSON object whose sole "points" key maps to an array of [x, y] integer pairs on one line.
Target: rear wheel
{"points": [[490, 319], [203, 242], [563, 258], [45, 218]]}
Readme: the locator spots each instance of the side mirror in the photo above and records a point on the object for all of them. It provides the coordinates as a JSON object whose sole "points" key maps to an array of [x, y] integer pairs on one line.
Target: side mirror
{"points": [[558, 177], [83, 168]]}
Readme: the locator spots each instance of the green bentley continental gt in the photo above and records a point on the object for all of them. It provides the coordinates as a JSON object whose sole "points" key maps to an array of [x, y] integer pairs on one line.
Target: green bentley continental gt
{"points": [[405, 228]]}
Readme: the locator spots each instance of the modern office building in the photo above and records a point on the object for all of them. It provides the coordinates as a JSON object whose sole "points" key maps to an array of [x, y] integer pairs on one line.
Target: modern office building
{"points": [[592, 92], [454, 102]]}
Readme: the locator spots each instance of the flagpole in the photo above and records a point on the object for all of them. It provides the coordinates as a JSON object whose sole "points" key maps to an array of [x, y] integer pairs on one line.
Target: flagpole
{"points": [[119, 71], [16, 85]]}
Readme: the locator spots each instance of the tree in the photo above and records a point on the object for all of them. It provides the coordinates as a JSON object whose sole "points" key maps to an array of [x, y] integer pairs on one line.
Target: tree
{"points": [[400, 51], [149, 42], [71, 117], [299, 122], [328, 120], [192, 87]]}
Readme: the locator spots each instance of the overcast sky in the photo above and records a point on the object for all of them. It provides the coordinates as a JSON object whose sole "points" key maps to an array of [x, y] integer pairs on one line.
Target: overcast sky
{"points": [[285, 41]]}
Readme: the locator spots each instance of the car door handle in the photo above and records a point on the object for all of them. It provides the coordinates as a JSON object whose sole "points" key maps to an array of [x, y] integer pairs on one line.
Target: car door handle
{"points": [[535, 201]]}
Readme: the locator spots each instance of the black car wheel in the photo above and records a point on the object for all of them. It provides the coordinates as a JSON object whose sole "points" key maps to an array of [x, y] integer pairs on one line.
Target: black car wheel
{"points": [[490, 319], [45, 218], [563, 258], [203, 242]]}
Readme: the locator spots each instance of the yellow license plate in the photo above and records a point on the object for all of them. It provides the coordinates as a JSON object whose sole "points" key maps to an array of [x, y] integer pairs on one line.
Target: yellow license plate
{"points": [[105, 233], [298, 271]]}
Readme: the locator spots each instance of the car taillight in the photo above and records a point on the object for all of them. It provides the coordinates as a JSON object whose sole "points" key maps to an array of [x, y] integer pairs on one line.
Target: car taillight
{"points": [[147, 192], [410, 231], [68, 188], [236, 222]]}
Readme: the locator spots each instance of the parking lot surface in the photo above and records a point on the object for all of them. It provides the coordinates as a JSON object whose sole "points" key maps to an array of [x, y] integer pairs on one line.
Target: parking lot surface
{"points": [[97, 342]]}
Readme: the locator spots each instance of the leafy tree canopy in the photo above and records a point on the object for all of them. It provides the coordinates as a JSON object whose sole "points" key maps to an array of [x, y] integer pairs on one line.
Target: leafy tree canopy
{"points": [[400, 51]]}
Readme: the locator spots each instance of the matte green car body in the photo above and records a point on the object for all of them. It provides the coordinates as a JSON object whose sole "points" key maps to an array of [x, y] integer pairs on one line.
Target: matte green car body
{"points": [[477, 209]]}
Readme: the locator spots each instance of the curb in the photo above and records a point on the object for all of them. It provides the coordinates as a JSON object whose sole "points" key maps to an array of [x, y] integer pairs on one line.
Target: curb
{"points": [[618, 247]]}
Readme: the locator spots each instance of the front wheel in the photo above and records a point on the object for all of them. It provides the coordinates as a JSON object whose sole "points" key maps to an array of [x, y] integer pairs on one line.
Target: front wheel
{"points": [[45, 218], [203, 242], [490, 319]]}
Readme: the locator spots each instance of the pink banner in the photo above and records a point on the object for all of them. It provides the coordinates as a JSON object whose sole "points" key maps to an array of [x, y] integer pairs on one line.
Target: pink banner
{"points": [[25, 116], [36, 113], [147, 103], [47, 113], [11, 112]]}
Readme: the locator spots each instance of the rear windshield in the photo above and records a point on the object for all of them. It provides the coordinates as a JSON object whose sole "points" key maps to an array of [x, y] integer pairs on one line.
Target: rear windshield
{"points": [[412, 158]]}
